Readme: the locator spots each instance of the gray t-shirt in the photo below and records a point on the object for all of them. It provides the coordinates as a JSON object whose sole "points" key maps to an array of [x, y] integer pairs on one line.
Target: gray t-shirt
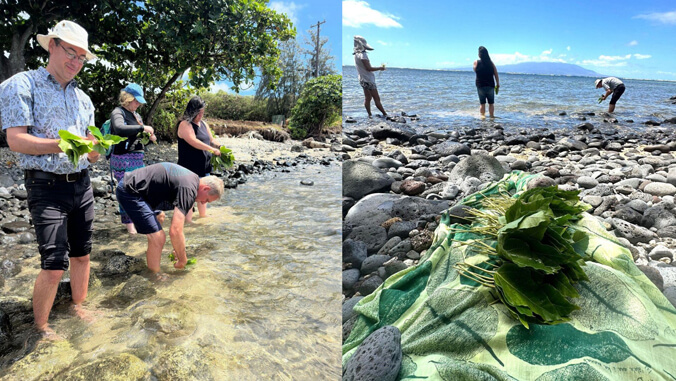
{"points": [[163, 183], [611, 83], [364, 75]]}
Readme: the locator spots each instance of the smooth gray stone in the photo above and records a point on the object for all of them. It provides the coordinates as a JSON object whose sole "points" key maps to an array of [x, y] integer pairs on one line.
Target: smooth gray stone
{"points": [[354, 252], [348, 306], [480, 166], [361, 179]]}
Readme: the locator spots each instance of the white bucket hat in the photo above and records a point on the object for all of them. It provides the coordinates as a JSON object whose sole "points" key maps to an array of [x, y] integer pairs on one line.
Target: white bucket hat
{"points": [[69, 32], [360, 42], [596, 83]]}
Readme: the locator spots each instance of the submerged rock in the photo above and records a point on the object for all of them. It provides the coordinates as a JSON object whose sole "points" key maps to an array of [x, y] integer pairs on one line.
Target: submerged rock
{"points": [[122, 367]]}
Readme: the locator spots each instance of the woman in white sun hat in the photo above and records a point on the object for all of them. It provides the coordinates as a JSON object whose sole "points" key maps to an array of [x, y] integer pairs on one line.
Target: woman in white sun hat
{"points": [[367, 79]]}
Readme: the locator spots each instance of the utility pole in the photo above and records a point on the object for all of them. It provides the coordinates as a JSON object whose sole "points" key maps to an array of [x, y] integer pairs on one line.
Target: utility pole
{"points": [[317, 48]]}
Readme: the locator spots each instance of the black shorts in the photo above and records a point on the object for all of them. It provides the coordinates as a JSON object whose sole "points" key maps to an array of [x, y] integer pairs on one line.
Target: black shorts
{"points": [[617, 93], [63, 216]]}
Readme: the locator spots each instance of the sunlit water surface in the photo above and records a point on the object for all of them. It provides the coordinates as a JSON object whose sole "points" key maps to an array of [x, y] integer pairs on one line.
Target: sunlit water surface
{"points": [[263, 300]]}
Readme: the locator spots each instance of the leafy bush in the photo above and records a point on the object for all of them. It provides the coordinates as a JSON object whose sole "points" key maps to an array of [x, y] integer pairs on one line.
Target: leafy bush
{"points": [[170, 110], [319, 105], [227, 106]]}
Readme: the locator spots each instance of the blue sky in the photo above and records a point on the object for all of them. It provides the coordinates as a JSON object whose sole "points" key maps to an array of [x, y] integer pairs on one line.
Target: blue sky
{"points": [[624, 38], [304, 14]]}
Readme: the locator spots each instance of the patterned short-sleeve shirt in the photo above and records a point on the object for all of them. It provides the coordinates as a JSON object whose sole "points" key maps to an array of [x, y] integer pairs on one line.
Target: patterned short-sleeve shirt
{"points": [[36, 100]]}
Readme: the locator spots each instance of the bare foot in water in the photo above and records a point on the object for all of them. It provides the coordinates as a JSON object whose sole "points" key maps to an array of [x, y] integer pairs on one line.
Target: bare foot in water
{"points": [[131, 228], [48, 334], [159, 277], [85, 315]]}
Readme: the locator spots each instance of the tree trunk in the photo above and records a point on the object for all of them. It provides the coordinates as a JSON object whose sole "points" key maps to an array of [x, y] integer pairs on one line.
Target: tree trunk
{"points": [[167, 86], [16, 62]]}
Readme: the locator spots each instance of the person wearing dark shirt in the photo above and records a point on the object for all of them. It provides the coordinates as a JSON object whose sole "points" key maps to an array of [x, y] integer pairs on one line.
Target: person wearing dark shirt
{"points": [[128, 155], [196, 144], [485, 71], [147, 189]]}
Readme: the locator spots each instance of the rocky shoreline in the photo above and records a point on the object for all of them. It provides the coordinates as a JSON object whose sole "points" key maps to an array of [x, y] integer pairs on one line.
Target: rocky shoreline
{"points": [[19, 262], [397, 181]]}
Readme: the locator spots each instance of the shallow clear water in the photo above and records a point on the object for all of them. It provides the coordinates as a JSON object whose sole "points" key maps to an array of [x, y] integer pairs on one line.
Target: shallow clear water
{"points": [[445, 99], [263, 300]]}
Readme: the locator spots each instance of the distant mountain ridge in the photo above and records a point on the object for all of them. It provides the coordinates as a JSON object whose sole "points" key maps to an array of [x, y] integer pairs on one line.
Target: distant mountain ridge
{"points": [[546, 68]]}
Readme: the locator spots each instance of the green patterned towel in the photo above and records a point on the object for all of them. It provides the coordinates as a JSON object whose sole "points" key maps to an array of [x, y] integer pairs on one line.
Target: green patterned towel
{"points": [[453, 329]]}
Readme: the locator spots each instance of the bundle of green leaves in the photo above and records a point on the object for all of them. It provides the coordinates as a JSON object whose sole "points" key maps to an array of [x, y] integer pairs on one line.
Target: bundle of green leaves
{"points": [[225, 161], [143, 137], [601, 99], [191, 261], [538, 256], [75, 146]]}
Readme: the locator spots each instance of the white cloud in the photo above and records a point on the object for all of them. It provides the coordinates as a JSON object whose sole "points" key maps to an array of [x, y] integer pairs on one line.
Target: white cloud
{"points": [[568, 48], [515, 58], [664, 18], [289, 9], [358, 13], [633, 43], [642, 56], [383, 43], [614, 58], [220, 86], [608, 61]]}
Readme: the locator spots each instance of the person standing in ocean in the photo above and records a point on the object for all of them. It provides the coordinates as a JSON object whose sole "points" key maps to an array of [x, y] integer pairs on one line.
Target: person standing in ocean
{"points": [[367, 79], [613, 86], [485, 71]]}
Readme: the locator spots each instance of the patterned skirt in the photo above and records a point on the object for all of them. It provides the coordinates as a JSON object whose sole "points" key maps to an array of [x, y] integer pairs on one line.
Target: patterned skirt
{"points": [[120, 164]]}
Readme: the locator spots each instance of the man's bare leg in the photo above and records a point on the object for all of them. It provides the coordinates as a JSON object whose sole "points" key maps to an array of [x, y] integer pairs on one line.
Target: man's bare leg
{"points": [[79, 285], [131, 229], [482, 109], [44, 293], [153, 254], [491, 110], [611, 108]]}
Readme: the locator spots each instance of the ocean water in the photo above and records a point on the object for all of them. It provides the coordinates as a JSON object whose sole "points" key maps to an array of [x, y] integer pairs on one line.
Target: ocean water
{"points": [[449, 100]]}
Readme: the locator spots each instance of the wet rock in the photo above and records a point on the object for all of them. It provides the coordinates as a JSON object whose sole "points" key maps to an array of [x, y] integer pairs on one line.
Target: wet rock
{"points": [[377, 358], [10, 268], [169, 317], [134, 289], [121, 367], [184, 363], [480, 166], [122, 265], [385, 130], [361, 179], [35, 367], [5, 332], [307, 182]]}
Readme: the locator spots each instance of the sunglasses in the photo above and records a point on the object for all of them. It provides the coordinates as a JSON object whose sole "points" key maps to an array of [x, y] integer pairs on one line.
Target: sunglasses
{"points": [[71, 54]]}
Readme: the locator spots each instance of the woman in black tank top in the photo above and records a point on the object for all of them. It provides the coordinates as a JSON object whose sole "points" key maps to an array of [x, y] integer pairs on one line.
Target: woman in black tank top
{"points": [[196, 145], [486, 87]]}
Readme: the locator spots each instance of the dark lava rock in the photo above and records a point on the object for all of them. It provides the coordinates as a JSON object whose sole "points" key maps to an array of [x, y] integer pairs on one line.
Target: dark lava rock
{"points": [[354, 253], [350, 279], [17, 226], [361, 179], [384, 131], [451, 148], [349, 304], [136, 288], [373, 236], [369, 285], [377, 358], [122, 265], [372, 263]]}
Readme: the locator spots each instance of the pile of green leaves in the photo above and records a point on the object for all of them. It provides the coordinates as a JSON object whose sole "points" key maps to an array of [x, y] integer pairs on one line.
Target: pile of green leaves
{"points": [[224, 161], [538, 256], [75, 146], [143, 137]]}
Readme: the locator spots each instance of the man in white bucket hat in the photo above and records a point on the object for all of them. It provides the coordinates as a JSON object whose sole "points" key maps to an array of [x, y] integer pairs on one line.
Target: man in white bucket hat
{"points": [[613, 86], [34, 106]]}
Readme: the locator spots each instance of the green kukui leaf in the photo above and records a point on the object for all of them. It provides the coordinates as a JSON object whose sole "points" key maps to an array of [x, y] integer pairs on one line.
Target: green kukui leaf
{"points": [[225, 161], [104, 141], [74, 146], [143, 137]]}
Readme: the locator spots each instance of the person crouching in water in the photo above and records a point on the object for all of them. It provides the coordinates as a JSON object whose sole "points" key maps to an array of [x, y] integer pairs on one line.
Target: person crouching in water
{"points": [[143, 190]]}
